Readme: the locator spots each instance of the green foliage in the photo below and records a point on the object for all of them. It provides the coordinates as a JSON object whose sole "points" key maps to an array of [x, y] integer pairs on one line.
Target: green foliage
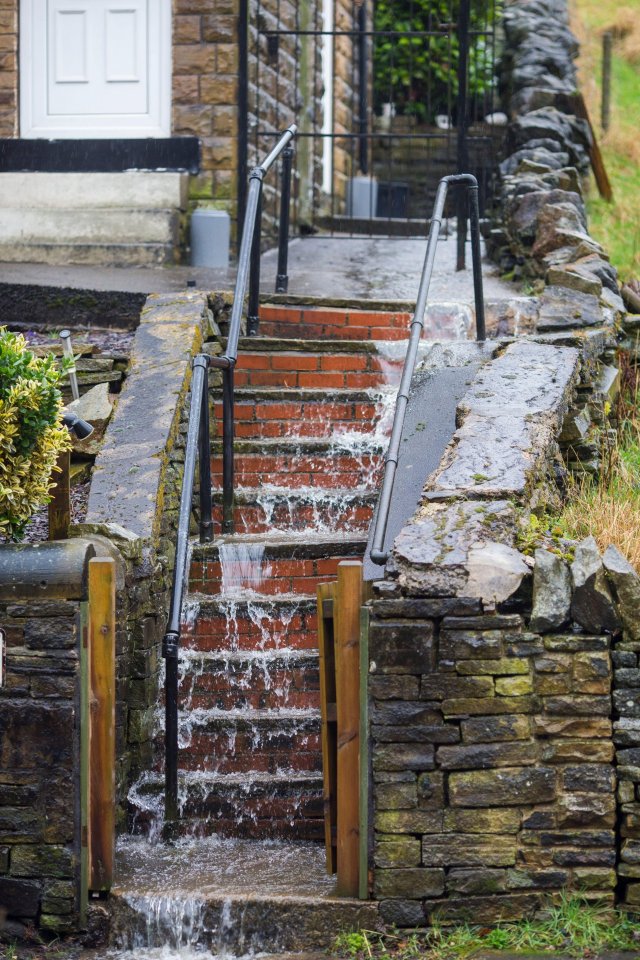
{"points": [[31, 435], [574, 926], [417, 73]]}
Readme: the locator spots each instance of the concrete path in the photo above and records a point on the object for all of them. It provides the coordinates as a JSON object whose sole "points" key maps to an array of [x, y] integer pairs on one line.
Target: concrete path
{"points": [[339, 267]]}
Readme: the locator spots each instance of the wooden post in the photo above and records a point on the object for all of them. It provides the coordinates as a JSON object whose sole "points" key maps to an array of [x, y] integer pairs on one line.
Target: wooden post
{"points": [[347, 650], [329, 732], [60, 503], [365, 793], [607, 44], [102, 646], [597, 163], [85, 694]]}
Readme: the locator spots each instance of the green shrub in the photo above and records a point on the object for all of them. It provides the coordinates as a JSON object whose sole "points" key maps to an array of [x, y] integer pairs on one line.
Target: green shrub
{"points": [[420, 73], [31, 433]]}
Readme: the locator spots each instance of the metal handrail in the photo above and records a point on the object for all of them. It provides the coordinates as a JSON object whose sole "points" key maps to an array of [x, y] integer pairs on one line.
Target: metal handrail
{"points": [[378, 554], [197, 447], [249, 276]]}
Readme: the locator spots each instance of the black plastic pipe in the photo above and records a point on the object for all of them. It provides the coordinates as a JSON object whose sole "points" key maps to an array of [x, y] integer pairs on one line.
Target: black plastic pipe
{"points": [[171, 642], [378, 554]]}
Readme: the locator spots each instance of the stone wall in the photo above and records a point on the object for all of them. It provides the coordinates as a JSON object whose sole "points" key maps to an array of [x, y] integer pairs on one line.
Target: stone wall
{"points": [[133, 504], [40, 839], [503, 666]]}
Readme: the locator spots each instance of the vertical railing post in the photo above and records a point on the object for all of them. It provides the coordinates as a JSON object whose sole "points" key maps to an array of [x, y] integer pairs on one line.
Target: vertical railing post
{"points": [[282, 277], [253, 311], [204, 456], [476, 260], [170, 653], [462, 146], [228, 418]]}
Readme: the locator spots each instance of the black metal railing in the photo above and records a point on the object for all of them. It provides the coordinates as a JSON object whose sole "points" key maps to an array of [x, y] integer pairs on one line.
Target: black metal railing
{"points": [[198, 438], [249, 276], [378, 554], [197, 448]]}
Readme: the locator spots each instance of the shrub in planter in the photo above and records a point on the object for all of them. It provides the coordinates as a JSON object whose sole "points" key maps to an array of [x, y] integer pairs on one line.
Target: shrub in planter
{"points": [[31, 432]]}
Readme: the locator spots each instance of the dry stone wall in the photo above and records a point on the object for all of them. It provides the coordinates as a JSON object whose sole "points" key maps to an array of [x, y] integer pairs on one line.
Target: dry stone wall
{"points": [[504, 677]]}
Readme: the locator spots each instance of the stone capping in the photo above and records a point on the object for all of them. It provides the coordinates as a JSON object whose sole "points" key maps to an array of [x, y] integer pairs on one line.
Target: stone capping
{"points": [[127, 482]]}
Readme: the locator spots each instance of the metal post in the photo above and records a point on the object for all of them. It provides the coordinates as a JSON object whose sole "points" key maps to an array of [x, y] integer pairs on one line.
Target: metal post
{"points": [[171, 642], [243, 114], [170, 652], [363, 158], [607, 45], [462, 146], [253, 310], [204, 457], [282, 277], [228, 417], [65, 336], [476, 258]]}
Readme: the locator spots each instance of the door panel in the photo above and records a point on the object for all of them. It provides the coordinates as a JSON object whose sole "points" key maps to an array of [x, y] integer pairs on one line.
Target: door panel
{"points": [[95, 68]]}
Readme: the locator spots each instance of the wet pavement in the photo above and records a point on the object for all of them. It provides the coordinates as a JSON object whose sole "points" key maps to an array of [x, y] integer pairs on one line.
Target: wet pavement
{"points": [[376, 268]]}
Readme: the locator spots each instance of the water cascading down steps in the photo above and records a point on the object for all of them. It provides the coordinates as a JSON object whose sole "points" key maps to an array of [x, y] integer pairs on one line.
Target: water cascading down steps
{"points": [[312, 421], [315, 396]]}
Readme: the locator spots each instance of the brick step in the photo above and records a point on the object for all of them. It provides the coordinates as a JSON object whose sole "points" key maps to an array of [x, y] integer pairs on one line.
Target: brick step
{"points": [[268, 508], [260, 623], [249, 741], [297, 368], [258, 417], [264, 565], [341, 323], [300, 463], [286, 805], [257, 680]]}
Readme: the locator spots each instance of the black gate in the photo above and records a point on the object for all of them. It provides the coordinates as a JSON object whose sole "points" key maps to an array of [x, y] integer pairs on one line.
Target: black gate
{"points": [[388, 96]]}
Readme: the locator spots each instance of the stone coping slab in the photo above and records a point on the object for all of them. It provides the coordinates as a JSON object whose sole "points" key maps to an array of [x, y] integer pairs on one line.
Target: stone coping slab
{"points": [[127, 481]]}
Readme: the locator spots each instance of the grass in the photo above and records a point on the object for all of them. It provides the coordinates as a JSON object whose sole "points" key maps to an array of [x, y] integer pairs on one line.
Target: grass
{"points": [[609, 506], [574, 926], [615, 225]]}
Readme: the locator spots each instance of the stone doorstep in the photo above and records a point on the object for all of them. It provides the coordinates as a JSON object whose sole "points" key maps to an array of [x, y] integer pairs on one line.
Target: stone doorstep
{"points": [[282, 924]]}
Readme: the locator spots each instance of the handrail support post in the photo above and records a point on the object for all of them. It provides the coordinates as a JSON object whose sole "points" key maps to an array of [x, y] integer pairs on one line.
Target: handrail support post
{"points": [[282, 277], [228, 425], [253, 309], [204, 458]]}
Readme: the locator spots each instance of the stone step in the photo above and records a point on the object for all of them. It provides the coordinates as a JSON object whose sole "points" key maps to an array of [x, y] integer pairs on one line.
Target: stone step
{"points": [[258, 623], [129, 190], [257, 680], [232, 897], [300, 463], [234, 565], [268, 508], [316, 370], [103, 254], [88, 226], [284, 805]]}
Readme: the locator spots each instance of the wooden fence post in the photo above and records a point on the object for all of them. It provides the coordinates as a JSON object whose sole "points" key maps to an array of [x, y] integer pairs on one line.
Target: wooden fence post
{"points": [[347, 651], [102, 681], [326, 648]]}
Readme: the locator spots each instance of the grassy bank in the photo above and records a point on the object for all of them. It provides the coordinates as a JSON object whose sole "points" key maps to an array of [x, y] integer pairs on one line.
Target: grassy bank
{"points": [[615, 225]]}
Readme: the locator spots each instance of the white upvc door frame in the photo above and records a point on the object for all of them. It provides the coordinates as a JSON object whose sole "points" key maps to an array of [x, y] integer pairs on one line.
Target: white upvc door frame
{"points": [[36, 121]]}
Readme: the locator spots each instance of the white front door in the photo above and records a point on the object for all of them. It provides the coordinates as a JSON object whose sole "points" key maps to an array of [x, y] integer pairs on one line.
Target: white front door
{"points": [[95, 68]]}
